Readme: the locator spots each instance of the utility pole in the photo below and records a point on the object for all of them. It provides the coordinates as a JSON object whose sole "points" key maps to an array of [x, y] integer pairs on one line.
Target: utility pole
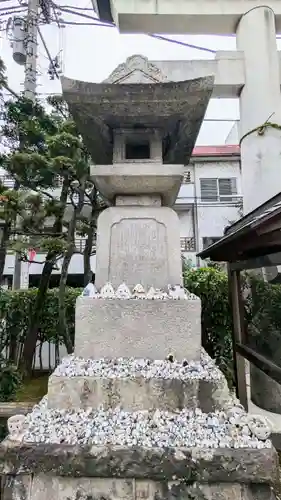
{"points": [[29, 92]]}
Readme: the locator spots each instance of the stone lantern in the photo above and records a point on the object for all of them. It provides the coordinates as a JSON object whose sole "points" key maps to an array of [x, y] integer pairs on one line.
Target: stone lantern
{"points": [[140, 137]]}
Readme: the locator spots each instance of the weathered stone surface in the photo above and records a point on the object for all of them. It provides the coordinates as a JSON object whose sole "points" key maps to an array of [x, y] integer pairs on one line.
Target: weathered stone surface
{"points": [[152, 329], [139, 178], [207, 466], [178, 108], [127, 393], [47, 487], [138, 201], [213, 395], [219, 491], [16, 487], [260, 492], [139, 393], [138, 245]]}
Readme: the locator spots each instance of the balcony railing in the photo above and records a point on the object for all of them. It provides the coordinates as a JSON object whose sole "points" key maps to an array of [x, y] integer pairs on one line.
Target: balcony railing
{"points": [[7, 181], [80, 244], [187, 244]]}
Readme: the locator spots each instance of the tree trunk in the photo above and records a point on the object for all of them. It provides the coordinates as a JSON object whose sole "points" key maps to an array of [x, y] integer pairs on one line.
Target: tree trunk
{"points": [[3, 247], [31, 337], [87, 256], [89, 242], [62, 317], [64, 271], [32, 334]]}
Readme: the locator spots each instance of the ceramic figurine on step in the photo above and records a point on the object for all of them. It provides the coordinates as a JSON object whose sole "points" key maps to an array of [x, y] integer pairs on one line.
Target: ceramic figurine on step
{"points": [[151, 294], [123, 292], [160, 294], [90, 290], [16, 427], [107, 291], [177, 292], [139, 292]]}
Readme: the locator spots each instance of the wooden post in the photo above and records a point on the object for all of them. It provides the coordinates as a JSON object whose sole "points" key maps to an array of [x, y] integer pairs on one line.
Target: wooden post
{"points": [[238, 335]]}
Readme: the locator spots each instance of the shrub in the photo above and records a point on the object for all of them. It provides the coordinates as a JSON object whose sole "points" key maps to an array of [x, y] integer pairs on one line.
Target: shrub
{"points": [[10, 381], [15, 311], [211, 286]]}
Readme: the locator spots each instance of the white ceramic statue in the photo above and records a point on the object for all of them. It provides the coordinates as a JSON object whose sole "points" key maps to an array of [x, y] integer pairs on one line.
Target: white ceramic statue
{"points": [[177, 292], [151, 294], [107, 291], [16, 427], [123, 292], [139, 292]]}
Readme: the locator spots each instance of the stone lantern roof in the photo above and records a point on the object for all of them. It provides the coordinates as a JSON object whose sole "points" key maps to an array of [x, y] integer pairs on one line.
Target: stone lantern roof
{"points": [[175, 109]]}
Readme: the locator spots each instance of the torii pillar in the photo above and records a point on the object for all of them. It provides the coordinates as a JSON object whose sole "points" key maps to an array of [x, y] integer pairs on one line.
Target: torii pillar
{"points": [[260, 100]]}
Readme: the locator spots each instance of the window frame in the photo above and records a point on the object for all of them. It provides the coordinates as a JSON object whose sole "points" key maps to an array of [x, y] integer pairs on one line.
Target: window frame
{"points": [[220, 198]]}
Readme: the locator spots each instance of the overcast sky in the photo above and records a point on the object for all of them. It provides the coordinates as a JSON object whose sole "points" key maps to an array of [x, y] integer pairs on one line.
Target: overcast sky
{"points": [[91, 53]]}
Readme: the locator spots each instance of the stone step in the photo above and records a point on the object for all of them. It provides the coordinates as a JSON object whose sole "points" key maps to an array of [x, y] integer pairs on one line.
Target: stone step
{"points": [[112, 328], [138, 393], [61, 472]]}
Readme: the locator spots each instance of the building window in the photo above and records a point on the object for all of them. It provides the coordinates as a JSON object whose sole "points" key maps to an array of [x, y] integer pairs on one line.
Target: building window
{"points": [[187, 177], [210, 240], [223, 189], [137, 150]]}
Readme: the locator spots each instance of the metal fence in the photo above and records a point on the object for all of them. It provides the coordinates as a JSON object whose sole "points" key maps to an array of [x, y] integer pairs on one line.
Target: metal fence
{"points": [[187, 244]]}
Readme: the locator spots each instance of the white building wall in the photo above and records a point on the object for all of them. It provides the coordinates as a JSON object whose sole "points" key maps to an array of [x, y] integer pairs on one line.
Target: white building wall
{"points": [[234, 134], [213, 217], [186, 223]]}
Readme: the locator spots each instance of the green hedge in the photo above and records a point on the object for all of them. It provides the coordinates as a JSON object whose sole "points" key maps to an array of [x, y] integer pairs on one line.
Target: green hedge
{"points": [[16, 307], [211, 286]]}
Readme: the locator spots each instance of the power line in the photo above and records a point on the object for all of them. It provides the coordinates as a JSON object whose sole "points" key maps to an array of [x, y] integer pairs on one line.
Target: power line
{"points": [[184, 44], [72, 7], [73, 23]]}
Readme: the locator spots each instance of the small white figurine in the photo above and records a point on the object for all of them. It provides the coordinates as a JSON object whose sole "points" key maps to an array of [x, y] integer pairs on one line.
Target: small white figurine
{"points": [[90, 290], [160, 294], [259, 426], [151, 294], [107, 291], [123, 292], [177, 292], [16, 427], [139, 292]]}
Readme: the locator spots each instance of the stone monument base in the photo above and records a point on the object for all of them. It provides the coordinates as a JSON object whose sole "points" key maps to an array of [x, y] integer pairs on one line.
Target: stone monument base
{"points": [[153, 329], [138, 384], [134, 394], [63, 472]]}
